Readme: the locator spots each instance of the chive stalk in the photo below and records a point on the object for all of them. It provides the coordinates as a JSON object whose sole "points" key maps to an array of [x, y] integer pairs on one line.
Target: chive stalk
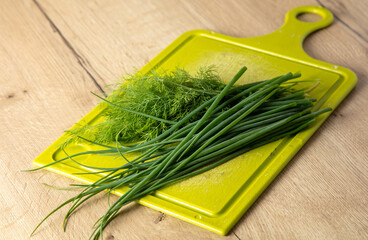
{"points": [[234, 120]]}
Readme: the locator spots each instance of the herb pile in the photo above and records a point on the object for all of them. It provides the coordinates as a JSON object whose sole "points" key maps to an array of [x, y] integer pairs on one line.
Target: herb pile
{"points": [[169, 96], [226, 122]]}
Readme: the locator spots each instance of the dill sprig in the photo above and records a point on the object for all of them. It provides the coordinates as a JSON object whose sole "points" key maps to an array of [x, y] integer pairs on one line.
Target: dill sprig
{"points": [[165, 95]]}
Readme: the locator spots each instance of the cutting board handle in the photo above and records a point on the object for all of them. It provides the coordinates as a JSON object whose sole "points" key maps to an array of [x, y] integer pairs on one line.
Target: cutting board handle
{"points": [[288, 40]]}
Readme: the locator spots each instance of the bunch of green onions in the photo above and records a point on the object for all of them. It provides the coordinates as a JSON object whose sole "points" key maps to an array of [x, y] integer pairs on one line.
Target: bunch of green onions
{"points": [[237, 120]]}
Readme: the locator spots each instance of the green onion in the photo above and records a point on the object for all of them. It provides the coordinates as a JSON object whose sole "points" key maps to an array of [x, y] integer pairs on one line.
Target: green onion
{"points": [[231, 122]]}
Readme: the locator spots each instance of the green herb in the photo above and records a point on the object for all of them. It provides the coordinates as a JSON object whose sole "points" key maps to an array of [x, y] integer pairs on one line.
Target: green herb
{"points": [[225, 125], [164, 96]]}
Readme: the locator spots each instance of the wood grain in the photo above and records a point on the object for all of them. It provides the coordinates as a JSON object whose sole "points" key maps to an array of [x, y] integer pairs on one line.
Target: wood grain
{"points": [[350, 13], [43, 91], [52, 53]]}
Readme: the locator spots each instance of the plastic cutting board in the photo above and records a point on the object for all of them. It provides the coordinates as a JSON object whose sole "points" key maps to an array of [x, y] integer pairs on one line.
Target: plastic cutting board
{"points": [[217, 199]]}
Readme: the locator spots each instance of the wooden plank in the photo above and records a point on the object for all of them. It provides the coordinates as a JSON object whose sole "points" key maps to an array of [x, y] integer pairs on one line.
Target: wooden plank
{"points": [[117, 37], [43, 91], [321, 194], [351, 14]]}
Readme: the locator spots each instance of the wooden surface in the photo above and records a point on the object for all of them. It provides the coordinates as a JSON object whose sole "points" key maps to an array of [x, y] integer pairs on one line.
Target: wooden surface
{"points": [[53, 53]]}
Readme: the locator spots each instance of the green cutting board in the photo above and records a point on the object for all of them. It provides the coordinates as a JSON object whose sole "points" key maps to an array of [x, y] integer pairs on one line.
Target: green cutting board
{"points": [[217, 199]]}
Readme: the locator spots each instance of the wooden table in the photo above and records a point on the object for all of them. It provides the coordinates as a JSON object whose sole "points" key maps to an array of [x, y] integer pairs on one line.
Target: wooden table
{"points": [[53, 53]]}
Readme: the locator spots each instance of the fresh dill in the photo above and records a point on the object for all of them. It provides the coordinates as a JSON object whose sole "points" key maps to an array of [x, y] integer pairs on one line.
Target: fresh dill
{"points": [[166, 95]]}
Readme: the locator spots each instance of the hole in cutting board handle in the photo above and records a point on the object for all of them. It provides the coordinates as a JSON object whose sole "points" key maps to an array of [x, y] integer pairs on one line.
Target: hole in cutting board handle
{"points": [[309, 17]]}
